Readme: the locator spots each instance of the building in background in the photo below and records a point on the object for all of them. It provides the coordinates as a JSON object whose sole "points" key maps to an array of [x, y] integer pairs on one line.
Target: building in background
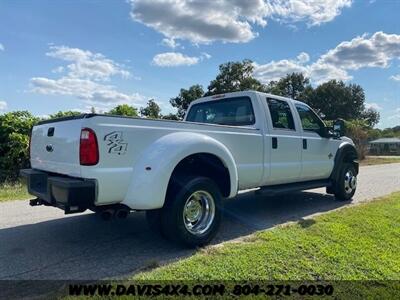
{"points": [[385, 146]]}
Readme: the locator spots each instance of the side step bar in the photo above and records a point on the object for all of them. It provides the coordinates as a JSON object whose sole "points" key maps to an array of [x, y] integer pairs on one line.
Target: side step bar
{"points": [[293, 187]]}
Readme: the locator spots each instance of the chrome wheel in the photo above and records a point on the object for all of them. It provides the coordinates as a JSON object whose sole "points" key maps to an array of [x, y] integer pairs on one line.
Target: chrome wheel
{"points": [[350, 182], [199, 212]]}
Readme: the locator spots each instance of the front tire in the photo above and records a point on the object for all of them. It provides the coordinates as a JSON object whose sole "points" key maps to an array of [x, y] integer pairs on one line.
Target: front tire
{"points": [[192, 212], [346, 185]]}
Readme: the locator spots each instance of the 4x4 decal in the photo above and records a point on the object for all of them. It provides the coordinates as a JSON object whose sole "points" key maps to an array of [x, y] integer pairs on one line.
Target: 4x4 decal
{"points": [[115, 143]]}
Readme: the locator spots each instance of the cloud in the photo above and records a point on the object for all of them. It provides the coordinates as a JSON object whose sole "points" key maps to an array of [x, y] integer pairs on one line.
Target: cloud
{"points": [[373, 105], [364, 51], [275, 70], [303, 57], [176, 59], [170, 43], [85, 78], [59, 69], [198, 21], [3, 105], [313, 12], [205, 55], [318, 72], [396, 115], [395, 77], [2, 47], [88, 90], [231, 21], [85, 64]]}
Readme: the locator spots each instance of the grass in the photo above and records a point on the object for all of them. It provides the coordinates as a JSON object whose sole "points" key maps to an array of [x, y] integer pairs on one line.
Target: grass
{"points": [[376, 160], [355, 243], [13, 191]]}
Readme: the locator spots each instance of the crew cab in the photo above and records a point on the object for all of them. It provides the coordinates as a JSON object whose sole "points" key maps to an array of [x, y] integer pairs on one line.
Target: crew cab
{"points": [[179, 172]]}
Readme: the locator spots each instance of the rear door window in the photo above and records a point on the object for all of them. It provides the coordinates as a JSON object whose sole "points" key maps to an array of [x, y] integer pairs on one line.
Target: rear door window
{"points": [[281, 115], [236, 111]]}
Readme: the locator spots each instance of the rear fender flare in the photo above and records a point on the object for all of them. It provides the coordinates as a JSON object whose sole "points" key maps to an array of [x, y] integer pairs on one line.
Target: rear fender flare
{"points": [[152, 172]]}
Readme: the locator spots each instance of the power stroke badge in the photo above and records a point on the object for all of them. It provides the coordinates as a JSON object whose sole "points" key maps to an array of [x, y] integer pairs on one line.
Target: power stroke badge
{"points": [[115, 143]]}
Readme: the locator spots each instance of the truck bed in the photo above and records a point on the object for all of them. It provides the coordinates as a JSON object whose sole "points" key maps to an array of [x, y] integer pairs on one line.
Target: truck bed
{"points": [[123, 141]]}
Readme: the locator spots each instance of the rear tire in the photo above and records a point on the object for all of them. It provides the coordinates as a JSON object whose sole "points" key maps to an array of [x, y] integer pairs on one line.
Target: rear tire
{"points": [[346, 185], [192, 212]]}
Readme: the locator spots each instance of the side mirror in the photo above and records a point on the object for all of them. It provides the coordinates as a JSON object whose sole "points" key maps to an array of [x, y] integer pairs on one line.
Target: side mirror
{"points": [[339, 127], [328, 132]]}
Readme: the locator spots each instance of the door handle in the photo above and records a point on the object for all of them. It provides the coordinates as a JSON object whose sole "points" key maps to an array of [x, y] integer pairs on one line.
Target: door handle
{"points": [[274, 143], [50, 131], [304, 143]]}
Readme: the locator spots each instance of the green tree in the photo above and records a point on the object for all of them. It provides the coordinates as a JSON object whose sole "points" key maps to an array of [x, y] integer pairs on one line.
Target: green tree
{"points": [[335, 100], [15, 129], [371, 117], [124, 110], [234, 77], [292, 85], [391, 132], [152, 110], [185, 97], [374, 133], [68, 113], [170, 116]]}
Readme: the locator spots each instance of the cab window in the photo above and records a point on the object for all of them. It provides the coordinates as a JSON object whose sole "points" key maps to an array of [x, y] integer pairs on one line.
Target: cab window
{"points": [[281, 115], [236, 111], [309, 120]]}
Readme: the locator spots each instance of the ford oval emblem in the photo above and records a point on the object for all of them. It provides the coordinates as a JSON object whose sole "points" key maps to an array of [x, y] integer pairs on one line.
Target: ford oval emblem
{"points": [[49, 148]]}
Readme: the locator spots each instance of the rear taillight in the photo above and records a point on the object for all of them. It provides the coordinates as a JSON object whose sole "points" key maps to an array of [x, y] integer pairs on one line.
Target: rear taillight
{"points": [[88, 149]]}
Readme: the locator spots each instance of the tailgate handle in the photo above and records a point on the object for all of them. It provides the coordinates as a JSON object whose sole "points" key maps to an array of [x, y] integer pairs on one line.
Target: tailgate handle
{"points": [[50, 131]]}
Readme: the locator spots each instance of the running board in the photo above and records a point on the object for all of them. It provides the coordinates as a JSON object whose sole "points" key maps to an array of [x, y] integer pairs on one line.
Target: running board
{"points": [[293, 187]]}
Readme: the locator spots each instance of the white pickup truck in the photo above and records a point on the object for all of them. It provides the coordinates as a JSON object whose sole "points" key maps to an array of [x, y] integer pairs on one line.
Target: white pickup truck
{"points": [[179, 172]]}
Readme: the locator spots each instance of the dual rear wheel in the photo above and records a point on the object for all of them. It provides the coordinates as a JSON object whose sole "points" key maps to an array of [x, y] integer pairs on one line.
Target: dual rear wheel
{"points": [[192, 212]]}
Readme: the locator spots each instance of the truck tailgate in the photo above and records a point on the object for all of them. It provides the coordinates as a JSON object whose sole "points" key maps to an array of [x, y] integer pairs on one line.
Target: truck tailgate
{"points": [[55, 147]]}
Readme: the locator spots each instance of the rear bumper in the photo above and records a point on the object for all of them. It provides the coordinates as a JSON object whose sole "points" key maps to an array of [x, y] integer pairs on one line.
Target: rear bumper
{"points": [[70, 194]]}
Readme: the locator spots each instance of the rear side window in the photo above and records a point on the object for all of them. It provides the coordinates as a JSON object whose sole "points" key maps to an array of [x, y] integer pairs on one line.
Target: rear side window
{"points": [[236, 111], [281, 115]]}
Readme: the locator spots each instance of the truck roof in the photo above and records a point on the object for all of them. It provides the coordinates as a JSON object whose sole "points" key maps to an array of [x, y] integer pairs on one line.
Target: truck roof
{"points": [[242, 93]]}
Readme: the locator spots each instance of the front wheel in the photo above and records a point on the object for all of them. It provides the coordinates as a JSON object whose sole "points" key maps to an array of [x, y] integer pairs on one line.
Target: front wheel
{"points": [[346, 185], [192, 213]]}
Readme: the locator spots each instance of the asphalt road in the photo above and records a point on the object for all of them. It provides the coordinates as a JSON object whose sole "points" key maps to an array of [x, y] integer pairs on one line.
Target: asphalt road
{"points": [[42, 243]]}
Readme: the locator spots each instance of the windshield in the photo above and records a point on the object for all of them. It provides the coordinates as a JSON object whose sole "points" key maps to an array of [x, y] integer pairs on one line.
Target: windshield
{"points": [[236, 111]]}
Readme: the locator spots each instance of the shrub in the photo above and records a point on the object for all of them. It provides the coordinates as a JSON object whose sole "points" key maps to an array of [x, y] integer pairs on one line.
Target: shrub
{"points": [[14, 139], [357, 130]]}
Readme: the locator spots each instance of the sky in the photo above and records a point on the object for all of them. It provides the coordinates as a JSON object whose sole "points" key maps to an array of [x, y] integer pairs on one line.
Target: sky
{"points": [[74, 55]]}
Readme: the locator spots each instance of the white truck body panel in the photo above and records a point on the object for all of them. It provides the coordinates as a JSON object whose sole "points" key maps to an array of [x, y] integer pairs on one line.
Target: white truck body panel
{"points": [[63, 156], [138, 156], [160, 145]]}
